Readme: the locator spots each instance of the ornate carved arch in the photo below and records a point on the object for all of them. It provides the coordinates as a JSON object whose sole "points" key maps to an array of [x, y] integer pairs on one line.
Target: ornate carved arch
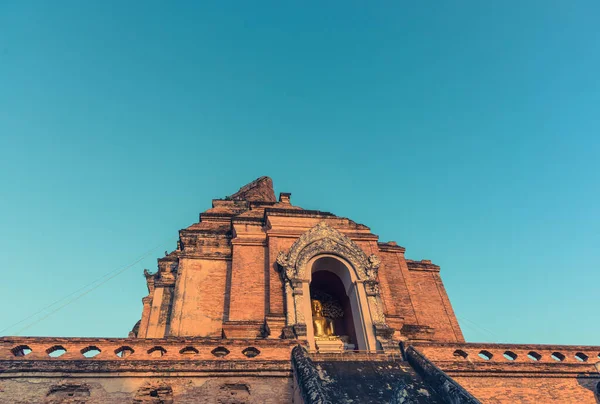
{"points": [[323, 239]]}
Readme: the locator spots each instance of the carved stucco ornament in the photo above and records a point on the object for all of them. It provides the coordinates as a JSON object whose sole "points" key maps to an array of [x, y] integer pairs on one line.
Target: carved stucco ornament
{"points": [[373, 266], [323, 239], [282, 260]]}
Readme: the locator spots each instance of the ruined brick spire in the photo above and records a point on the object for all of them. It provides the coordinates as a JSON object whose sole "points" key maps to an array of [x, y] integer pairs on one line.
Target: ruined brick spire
{"points": [[259, 190]]}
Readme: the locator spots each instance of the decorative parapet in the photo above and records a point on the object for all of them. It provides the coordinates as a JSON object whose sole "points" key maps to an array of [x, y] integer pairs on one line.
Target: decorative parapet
{"points": [[323, 238], [82, 350], [307, 378], [471, 358], [443, 384]]}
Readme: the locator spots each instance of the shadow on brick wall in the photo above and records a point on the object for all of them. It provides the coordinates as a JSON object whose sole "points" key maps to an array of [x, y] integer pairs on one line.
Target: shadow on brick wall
{"points": [[590, 383]]}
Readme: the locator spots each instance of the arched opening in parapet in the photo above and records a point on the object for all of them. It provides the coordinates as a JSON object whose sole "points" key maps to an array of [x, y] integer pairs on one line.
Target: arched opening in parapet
{"points": [[337, 319]]}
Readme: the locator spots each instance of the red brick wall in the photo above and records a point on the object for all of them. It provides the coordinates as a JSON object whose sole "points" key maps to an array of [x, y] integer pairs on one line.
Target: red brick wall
{"points": [[394, 289], [276, 292], [199, 299], [530, 389], [430, 310], [247, 299], [521, 379]]}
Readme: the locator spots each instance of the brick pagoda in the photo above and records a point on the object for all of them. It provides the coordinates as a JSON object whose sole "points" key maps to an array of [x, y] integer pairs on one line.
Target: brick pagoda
{"points": [[266, 302]]}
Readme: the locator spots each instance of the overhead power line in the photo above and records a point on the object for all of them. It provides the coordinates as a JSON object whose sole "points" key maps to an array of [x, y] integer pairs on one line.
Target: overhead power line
{"points": [[86, 289], [477, 327]]}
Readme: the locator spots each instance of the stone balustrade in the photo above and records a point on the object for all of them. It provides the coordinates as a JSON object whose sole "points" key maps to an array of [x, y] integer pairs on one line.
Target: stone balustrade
{"points": [[111, 349], [510, 356]]}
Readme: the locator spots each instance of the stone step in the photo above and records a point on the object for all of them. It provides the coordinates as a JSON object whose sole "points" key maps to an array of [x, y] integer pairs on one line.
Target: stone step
{"points": [[350, 378]]}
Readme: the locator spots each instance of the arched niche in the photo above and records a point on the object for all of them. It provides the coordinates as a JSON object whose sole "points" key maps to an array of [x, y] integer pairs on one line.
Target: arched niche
{"points": [[356, 270], [360, 318]]}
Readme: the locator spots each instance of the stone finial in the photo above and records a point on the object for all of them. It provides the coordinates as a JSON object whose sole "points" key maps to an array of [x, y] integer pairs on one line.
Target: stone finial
{"points": [[284, 197]]}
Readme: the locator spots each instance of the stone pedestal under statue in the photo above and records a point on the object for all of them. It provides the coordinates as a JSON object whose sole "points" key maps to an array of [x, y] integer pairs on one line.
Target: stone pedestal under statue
{"points": [[329, 345], [333, 344]]}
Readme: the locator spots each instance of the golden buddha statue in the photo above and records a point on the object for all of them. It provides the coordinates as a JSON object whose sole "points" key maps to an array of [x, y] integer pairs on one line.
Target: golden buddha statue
{"points": [[322, 325]]}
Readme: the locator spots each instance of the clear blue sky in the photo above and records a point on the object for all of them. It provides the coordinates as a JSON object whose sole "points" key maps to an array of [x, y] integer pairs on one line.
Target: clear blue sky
{"points": [[466, 131]]}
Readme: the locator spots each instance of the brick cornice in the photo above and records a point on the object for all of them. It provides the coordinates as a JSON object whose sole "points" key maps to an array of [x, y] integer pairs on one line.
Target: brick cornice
{"points": [[391, 247], [423, 265], [249, 241]]}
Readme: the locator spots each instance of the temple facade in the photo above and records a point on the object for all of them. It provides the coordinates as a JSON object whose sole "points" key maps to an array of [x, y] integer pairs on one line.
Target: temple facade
{"points": [[253, 263], [264, 301]]}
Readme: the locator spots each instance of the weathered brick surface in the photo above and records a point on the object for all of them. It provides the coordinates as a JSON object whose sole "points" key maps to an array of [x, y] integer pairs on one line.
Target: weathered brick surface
{"points": [[448, 310], [532, 389], [199, 302], [429, 306], [248, 285], [259, 190], [394, 287], [275, 292], [199, 376], [125, 389], [522, 379]]}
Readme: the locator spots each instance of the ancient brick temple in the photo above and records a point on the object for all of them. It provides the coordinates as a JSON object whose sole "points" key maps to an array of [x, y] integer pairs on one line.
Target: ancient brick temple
{"points": [[266, 302]]}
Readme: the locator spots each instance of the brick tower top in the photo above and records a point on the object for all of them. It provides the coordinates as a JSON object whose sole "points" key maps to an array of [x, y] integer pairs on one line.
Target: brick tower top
{"points": [[259, 190], [252, 265]]}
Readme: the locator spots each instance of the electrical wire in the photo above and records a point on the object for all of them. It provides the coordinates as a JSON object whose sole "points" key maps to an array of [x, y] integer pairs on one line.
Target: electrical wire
{"points": [[479, 328], [108, 274]]}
